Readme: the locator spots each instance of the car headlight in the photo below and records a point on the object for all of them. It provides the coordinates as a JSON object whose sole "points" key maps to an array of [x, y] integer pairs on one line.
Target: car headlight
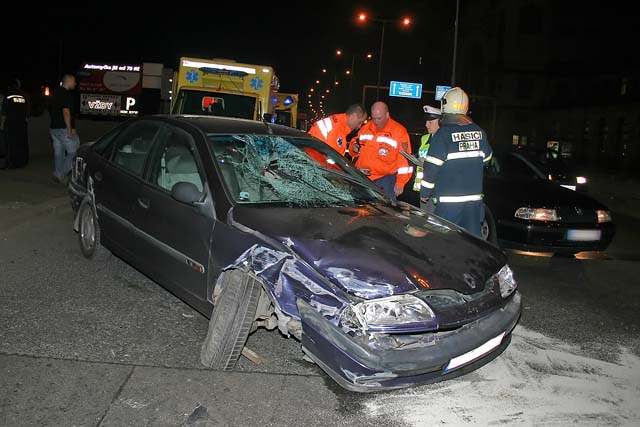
{"points": [[537, 214], [603, 216], [397, 313], [581, 180], [505, 280]]}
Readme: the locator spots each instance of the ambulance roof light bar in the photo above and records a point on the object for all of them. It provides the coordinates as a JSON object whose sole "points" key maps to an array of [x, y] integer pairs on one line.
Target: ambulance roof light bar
{"points": [[227, 67]]}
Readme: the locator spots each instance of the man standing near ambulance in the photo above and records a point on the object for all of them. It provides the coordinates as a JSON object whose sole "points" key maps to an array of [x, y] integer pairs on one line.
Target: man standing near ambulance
{"points": [[381, 140], [454, 166], [333, 130]]}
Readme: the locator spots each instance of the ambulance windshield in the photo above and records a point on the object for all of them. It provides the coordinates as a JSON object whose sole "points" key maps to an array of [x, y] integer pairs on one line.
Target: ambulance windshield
{"points": [[221, 104], [300, 172]]}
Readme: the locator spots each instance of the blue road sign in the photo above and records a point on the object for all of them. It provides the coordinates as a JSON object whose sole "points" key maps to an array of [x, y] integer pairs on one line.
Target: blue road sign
{"points": [[440, 90], [405, 90]]}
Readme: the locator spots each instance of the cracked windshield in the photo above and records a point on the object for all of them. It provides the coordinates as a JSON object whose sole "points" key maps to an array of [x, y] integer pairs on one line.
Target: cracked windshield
{"points": [[291, 171]]}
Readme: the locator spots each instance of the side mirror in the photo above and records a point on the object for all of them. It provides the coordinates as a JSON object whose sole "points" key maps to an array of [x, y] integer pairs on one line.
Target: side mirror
{"points": [[186, 192]]}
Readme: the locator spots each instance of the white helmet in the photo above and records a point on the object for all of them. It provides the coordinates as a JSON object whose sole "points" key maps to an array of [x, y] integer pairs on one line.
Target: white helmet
{"points": [[455, 101]]}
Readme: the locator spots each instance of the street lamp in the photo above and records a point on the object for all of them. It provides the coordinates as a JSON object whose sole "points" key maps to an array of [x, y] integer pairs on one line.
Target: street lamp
{"points": [[324, 70], [317, 82], [338, 52], [405, 22]]}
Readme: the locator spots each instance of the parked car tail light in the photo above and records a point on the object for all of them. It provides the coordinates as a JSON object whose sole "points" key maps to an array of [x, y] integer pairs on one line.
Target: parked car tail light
{"points": [[581, 180], [505, 279], [398, 313], [603, 216], [537, 214]]}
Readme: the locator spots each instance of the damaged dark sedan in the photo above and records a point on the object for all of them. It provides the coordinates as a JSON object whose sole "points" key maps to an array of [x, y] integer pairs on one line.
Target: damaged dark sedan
{"points": [[259, 225]]}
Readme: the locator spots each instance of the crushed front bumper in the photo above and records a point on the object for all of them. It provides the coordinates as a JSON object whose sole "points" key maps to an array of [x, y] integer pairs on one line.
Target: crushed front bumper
{"points": [[361, 365]]}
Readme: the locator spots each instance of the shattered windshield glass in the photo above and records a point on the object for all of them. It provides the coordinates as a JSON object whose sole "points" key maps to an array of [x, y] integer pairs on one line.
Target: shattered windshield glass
{"points": [[293, 171]]}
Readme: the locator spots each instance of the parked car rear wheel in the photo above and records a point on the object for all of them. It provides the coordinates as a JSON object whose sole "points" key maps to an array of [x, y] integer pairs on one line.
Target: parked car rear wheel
{"points": [[231, 320], [89, 232]]}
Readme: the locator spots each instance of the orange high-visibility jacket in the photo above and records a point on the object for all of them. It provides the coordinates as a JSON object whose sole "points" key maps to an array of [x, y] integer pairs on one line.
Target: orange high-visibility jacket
{"points": [[380, 151], [333, 131]]}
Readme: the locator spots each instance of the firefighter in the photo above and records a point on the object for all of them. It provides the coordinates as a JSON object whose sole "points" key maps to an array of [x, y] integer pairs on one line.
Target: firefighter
{"points": [[432, 117], [13, 122], [380, 142], [453, 169], [333, 130]]}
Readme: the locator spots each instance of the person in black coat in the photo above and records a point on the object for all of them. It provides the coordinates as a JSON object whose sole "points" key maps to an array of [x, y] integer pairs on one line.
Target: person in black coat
{"points": [[13, 123]]}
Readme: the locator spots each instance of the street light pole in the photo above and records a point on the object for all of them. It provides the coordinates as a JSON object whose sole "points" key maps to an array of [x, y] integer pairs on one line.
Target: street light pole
{"points": [[353, 65], [384, 23], [455, 45]]}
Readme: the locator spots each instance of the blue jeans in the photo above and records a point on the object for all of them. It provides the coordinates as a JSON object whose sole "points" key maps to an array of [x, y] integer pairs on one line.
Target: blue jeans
{"points": [[468, 215], [64, 151]]}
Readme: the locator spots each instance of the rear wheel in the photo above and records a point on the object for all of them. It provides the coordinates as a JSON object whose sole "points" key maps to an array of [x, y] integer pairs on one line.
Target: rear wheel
{"points": [[89, 232], [231, 320]]}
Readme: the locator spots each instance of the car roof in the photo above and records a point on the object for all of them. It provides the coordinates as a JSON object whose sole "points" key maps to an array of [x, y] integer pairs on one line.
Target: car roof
{"points": [[230, 125]]}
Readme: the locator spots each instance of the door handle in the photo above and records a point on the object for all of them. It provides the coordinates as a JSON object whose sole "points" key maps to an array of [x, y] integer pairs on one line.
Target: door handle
{"points": [[97, 176], [144, 203]]}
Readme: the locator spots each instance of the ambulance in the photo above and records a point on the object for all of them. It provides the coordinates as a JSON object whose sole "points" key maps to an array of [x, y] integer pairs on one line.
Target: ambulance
{"points": [[285, 109], [223, 87]]}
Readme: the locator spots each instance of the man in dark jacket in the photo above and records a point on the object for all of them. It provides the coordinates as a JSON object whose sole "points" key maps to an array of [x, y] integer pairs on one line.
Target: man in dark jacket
{"points": [[13, 122], [454, 166]]}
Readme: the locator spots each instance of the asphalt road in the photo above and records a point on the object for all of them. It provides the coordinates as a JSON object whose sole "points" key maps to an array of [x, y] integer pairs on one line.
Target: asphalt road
{"points": [[98, 343]]}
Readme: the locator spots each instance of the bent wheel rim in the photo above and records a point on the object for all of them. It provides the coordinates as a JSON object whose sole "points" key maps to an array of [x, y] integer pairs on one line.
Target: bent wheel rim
{"points": [[87, 230]]}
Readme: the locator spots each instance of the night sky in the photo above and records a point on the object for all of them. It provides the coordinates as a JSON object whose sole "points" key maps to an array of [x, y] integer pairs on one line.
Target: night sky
{"points": [[297, 39]]}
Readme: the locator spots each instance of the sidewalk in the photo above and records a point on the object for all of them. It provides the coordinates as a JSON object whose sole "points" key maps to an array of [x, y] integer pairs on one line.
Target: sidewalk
{"points": [[50, 391]]}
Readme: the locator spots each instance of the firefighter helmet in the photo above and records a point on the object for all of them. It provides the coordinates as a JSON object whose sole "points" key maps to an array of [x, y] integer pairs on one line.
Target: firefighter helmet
{"points": [[455, 101]]}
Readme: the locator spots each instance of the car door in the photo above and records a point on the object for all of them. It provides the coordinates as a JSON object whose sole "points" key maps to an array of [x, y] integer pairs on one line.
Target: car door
{"points": [[179, 234], [116, 181]]}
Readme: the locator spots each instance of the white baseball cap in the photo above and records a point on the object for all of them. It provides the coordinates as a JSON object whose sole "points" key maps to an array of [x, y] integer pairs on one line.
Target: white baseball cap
{"points": [[431, 113]]}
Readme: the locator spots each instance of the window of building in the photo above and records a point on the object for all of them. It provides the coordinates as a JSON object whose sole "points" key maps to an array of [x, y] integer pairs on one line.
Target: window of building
{"points": [[530, 20], [524, 87], [623, 86], [515, 139]]}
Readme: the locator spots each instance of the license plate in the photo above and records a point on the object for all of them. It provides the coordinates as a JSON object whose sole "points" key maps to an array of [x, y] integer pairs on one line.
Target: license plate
{"points": [[474, 354], [584, 235], [570, 187]]}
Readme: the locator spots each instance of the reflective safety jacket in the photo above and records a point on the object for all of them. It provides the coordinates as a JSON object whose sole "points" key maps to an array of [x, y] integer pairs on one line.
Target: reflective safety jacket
{"points": [[454, 166], [380, 151], [422, 154], [333, 131]]}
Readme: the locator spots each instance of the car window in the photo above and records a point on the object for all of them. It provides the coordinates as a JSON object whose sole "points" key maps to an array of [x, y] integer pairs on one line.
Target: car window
{"points": [[175, 162], [133, 145], [511, 167], [215, 104], [104, 145]]}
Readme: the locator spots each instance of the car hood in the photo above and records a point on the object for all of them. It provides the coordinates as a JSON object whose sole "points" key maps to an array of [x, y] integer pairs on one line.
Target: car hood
{"points": [[538, 193], [375, 250]]}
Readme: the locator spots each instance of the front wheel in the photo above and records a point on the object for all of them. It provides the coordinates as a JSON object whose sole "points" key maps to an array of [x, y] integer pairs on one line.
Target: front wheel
{"points": [[231, 320]]}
